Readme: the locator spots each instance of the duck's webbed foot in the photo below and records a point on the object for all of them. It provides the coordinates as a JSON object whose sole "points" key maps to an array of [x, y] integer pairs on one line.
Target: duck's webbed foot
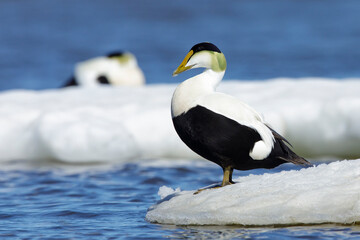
{"points": [[227, 180], [207, 188]]}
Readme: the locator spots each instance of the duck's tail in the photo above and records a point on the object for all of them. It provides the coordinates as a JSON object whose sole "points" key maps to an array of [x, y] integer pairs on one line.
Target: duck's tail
{"points": [[285, 153]]}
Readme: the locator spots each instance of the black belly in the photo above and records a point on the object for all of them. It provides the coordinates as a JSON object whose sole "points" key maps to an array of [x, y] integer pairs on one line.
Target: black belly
{"points": [[220, 139]]}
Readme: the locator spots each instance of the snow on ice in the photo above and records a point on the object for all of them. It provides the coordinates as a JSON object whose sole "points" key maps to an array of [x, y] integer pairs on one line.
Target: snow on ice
{"points": [[327, 193], [320, 117]]}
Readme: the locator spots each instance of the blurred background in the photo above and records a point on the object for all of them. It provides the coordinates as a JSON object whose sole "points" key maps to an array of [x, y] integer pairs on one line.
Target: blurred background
{"points": [[42, 40]]}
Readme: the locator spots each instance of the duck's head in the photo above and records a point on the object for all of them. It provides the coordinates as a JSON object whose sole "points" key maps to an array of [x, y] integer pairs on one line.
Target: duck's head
{"points": [[203, 55], [123, 58]]}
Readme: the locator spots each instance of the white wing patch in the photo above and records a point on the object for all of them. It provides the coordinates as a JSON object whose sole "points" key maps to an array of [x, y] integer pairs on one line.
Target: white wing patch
{"points": [[260, 151], [238, 111]]}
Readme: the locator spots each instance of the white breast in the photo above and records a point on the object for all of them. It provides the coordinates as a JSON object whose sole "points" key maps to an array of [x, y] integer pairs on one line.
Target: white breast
{"points": [[189, 91]]}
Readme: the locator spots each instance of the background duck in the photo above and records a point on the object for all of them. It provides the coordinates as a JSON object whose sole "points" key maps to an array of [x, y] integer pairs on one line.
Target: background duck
{"points": [[117, 69]]}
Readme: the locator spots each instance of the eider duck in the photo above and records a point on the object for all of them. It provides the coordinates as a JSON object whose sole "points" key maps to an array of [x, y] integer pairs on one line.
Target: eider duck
{"points": [[117, 69], [219, 127]]}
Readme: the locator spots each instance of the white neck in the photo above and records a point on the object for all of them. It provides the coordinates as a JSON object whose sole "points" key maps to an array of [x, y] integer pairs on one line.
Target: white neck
{"points": [[189, 91]]}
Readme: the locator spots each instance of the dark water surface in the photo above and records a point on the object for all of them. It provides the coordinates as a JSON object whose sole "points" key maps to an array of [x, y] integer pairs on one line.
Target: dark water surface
{"points": [[41, 40], [110, 202]]}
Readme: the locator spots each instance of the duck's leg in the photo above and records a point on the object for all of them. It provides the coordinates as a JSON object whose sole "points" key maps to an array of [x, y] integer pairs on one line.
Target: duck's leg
{"points": [[227, 179]]}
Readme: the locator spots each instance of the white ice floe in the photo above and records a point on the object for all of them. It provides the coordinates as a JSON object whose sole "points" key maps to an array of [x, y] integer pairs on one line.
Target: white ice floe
{"points": [[328, 193], [165, 191], [318, 116]]}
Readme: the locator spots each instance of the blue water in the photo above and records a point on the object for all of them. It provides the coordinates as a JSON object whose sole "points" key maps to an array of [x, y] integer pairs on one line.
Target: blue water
{"points": [[54, 201], [40, 42]]}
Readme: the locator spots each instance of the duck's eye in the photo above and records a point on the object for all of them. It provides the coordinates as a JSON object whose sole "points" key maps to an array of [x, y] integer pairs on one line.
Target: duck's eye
{"points": [[103, 80]]}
